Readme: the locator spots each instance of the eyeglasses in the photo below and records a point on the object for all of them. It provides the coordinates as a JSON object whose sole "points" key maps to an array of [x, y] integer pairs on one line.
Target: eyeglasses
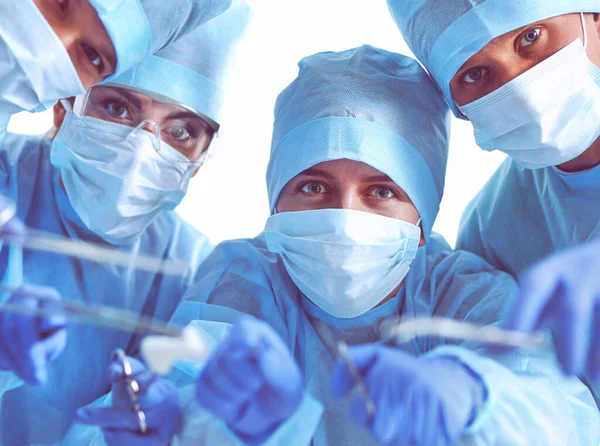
{"points": [[171, 126]]}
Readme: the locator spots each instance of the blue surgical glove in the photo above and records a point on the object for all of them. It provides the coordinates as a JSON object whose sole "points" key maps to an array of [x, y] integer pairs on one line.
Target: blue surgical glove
{"points": [[251, 382], [158, 400], [562, 292], [28, 343], [418, 401]]}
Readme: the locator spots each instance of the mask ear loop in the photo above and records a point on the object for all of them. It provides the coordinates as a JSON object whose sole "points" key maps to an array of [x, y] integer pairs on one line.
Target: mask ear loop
{"points": [[585, 34]]}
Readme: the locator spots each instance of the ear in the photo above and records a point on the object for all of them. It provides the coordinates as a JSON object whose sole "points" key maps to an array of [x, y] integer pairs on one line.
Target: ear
{"points": [[596, 19], [60, 113], [422, 241]]}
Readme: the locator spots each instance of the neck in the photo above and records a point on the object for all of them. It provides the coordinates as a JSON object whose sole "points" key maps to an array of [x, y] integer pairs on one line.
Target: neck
{"points": [[588, 159], [391, 295]]}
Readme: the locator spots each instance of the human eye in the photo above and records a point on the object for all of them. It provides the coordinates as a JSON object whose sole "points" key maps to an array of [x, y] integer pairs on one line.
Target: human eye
{"points": [[313, 188], [529, 37], [475, 75], [179, 133], [92, 56], [116, 109], [382, 193]]}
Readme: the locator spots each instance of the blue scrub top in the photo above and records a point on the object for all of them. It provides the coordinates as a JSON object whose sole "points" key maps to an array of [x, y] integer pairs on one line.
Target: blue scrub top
{"points": [[522, 216], [529, 401], [42, 415]]}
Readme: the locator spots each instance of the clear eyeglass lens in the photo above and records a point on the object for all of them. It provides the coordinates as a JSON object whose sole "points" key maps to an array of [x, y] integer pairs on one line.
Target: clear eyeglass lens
{"points": [[171, 125]]}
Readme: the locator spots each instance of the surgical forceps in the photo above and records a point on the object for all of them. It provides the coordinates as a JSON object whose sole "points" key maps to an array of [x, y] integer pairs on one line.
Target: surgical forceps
{"points": [[133, 388]]}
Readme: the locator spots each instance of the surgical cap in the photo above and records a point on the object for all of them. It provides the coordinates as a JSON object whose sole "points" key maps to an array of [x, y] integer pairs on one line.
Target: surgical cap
{"points": [[444, 34], [366, 105], [138, 28], [192, 70]]}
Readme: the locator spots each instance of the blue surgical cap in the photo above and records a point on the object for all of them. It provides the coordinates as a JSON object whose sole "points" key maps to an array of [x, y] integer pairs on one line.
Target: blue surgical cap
{"points": [[192, 70], [444, 34], [366, 105], [139, 28]]}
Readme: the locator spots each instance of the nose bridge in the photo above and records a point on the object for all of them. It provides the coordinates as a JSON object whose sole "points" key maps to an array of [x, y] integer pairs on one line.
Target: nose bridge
{"points": [[509, 68], [348, 200], [69, 36]]}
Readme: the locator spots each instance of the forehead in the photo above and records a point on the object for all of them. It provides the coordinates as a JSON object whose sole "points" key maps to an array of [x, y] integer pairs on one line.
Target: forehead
{"points": [[146, 104], [345, 170]]}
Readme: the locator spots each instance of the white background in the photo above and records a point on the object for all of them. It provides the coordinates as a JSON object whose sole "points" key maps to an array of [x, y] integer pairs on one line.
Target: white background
{"points": [[228, 198]]}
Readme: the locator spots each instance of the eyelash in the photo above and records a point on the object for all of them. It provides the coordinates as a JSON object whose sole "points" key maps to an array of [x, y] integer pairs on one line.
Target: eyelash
{"points": [[395, 195]]}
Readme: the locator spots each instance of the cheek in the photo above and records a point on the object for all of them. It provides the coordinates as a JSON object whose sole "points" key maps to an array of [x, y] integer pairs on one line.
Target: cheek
{"points": [[402, 211]]}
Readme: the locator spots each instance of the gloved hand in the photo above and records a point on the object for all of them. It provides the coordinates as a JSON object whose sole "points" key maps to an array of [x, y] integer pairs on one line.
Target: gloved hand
{"points": [[562, 292], [251, 382], [8, 222], [28, 343], [418, 401], [158, 400]]}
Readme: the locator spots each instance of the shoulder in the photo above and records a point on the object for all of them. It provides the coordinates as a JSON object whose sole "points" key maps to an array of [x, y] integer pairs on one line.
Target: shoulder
{"points": [[243, 275], [171, 237], [25, 151], [463, 286]]}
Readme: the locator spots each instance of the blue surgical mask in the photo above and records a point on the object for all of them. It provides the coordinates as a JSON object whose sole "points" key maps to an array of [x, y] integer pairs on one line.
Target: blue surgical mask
{"points": [[35, 68], [115, 178], [547, 116], [345, 261]]}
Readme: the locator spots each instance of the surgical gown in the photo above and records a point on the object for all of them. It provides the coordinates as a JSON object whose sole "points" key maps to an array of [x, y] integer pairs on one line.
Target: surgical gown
{"points": [[42, 415], [528, 401], [523, 215]]}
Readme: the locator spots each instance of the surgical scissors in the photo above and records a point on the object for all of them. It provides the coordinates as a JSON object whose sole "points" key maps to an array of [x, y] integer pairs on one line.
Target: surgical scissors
{"points": [[133, 388]]}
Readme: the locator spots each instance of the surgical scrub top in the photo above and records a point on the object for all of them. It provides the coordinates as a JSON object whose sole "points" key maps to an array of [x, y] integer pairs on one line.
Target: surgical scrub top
{"points": [[528, 401], [523, 215], [43, 414]]}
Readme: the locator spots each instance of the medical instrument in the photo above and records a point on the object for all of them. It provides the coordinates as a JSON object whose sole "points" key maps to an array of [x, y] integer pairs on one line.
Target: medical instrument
{"points": [[398, 332], [395, 332], [100, 315], [171, 344], [358, 381], [49, 242], [132, 386], [423, 400]]}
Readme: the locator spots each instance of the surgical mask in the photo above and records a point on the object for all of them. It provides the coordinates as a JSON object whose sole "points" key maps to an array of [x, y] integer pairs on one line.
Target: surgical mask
{"points": [[345, 261], [115, 178], [547, 116], [35, 68]]}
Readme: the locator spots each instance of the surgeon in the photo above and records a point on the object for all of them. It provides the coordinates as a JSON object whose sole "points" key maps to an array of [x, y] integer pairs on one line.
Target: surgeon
{"points": [[526, 74], [57, 49], [120, 162], [355, 180]]}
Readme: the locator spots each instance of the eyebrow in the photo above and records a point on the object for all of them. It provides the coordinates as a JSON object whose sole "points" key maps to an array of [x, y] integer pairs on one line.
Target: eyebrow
{"points": [[318, 173], [186, 115], [378, 178], [129, 96]]}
